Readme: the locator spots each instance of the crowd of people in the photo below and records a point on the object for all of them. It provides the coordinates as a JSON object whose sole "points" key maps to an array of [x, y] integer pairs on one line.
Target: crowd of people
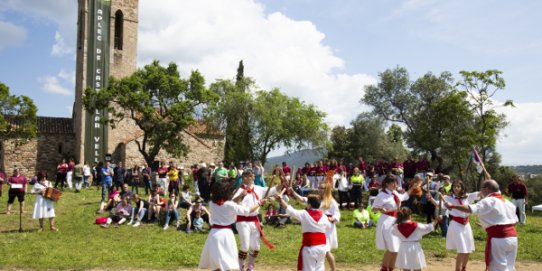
{"points": [[230, 198]]}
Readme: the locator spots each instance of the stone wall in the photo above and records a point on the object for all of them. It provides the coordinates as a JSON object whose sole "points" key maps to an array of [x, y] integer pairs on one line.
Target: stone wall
{"points": [[201, 149], [42, 153]]}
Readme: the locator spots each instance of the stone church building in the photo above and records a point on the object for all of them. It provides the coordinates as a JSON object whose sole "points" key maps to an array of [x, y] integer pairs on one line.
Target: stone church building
{"points": [[106, 46]]}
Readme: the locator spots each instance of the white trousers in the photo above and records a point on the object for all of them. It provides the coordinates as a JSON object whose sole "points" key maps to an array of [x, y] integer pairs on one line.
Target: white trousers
{"points": [[503, 254], [314, 258], [69, 179], [520, 204], [249, 236]]}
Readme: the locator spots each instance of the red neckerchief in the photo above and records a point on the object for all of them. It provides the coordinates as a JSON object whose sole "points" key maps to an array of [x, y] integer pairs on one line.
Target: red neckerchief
{"points": [[497, 195], [407, 228], [219, 202], [458, 200], [395, 197], [250, 190], [315, 214]]}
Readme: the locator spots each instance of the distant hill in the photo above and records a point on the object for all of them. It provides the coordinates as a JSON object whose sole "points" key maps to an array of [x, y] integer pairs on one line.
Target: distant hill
{"points": [[522, 170], [296, 159]]}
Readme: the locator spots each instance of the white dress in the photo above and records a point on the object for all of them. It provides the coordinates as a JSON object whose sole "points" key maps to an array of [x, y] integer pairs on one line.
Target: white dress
{"points": [[43, 208], [385, 240], [313, 256], [331, 232], [410, 254], [220, 249], [459, 236]]}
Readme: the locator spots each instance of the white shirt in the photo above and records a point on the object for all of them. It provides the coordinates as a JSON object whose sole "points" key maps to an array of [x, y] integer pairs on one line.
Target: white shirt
{"points": [[386, 200], [416, 235], [226, 214], [307, 222], [493, 211], [251, 199], [471, 197]]}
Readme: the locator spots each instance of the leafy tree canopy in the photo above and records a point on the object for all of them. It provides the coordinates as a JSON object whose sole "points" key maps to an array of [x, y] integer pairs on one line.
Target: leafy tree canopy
{"points": [[160, 103], [18, 118]]}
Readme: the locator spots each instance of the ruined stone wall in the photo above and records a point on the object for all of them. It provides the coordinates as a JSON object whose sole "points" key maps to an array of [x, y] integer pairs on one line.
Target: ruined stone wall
{"points": [[42, 153]]}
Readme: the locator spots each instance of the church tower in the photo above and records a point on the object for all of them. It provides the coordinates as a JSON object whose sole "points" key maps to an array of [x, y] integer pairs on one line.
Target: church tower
{"points": [[106, 46]]}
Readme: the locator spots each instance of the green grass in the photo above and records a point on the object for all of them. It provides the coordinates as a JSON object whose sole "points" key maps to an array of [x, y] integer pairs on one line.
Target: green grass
{"points": [[82, 245]]}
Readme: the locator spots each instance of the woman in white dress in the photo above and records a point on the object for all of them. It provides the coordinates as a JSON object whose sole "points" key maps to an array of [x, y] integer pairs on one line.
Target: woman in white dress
{"points": [[220, 249], [410, 255], [459, 236], [388, 202], [43, 208]]}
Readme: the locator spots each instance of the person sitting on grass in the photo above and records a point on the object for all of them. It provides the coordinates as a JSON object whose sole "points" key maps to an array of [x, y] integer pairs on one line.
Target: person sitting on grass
{"points": [[271, 216], [171, 210], [120, 214], [361, 218], [141, 207], [198, 222], [191, 214], [112, 201], [155, 203], [186, 197]]}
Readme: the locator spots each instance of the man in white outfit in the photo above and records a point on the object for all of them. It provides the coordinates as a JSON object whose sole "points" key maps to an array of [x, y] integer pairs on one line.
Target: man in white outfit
{"points": [[498, 218], [248, 227]]}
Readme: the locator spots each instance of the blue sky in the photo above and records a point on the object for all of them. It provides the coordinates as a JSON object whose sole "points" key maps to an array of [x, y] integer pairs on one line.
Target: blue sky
{"points": [[324, 52]]}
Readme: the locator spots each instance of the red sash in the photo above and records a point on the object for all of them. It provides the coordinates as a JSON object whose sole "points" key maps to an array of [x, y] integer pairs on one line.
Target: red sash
{"points": [[407, 228], [241, 218], [216, 226], [460, 220], [310, 239], [497, 231]]}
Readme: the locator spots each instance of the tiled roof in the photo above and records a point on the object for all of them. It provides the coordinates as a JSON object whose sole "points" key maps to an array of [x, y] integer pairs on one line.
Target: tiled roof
{"points": [[52, 125]]}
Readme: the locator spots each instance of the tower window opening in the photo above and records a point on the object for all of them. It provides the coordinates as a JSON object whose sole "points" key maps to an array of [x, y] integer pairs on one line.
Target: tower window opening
{"points": [[119, 21]]}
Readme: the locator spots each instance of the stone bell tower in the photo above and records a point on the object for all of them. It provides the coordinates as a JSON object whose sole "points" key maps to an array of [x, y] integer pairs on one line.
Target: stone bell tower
{"points": [[106, 46]]}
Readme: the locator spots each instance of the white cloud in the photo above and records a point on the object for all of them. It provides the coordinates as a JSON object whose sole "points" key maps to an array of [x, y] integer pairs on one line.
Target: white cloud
{"points": [[520, 141], [60, 47], [52, 84], [12, 35], [212, 36], [61, 12]]}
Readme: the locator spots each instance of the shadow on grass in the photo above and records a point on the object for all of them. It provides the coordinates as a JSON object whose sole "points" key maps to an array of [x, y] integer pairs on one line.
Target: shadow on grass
{"points": [[19, 231]]}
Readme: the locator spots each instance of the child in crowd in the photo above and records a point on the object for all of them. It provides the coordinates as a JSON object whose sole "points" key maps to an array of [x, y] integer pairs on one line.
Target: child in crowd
{"points": [[271, 214], [198, 222], [120, 214], [410, 255], [171, 211]]}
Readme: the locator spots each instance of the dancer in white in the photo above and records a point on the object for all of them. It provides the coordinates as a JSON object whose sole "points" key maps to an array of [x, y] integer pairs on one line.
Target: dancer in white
{"points": [[498, 218], [331, 209], [220, 249], [410, 255], [314, 225], [388, 201], [459, 236], [248, 225]]}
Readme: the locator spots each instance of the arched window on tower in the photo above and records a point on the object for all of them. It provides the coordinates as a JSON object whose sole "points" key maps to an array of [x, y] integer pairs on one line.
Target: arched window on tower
{"points": [[119, 22]]}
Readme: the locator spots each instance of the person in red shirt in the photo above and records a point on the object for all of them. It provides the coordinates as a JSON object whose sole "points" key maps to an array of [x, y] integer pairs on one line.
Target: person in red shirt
{"points": [[61, 172], [2, 179], [17, 189], [409, 166], [362, 166], [287, 171], [517, 190]]}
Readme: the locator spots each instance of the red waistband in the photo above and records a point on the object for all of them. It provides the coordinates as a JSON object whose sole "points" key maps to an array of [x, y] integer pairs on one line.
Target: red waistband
{"points": [[498, 231], [310, 239], [391, 213], [460, 220], [216, 226]]}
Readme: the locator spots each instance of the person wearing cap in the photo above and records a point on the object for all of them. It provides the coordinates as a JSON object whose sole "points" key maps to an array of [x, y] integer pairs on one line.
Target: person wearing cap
{"points": [[498, 217], [446, 184]]}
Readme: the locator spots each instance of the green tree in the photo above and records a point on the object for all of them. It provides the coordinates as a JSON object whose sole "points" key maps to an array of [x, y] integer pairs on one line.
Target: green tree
{"points": [[159, 102], [481, 87], [18, 118], [431, 110], [340, 143], [279, 120]]}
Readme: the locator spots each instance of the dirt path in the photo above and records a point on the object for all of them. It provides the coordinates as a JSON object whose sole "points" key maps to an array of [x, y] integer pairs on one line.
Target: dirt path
{"points": [[433, 265]]}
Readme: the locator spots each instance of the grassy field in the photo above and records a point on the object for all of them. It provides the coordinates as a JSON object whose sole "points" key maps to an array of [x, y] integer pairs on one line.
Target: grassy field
{"points": [[82, 245]]}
